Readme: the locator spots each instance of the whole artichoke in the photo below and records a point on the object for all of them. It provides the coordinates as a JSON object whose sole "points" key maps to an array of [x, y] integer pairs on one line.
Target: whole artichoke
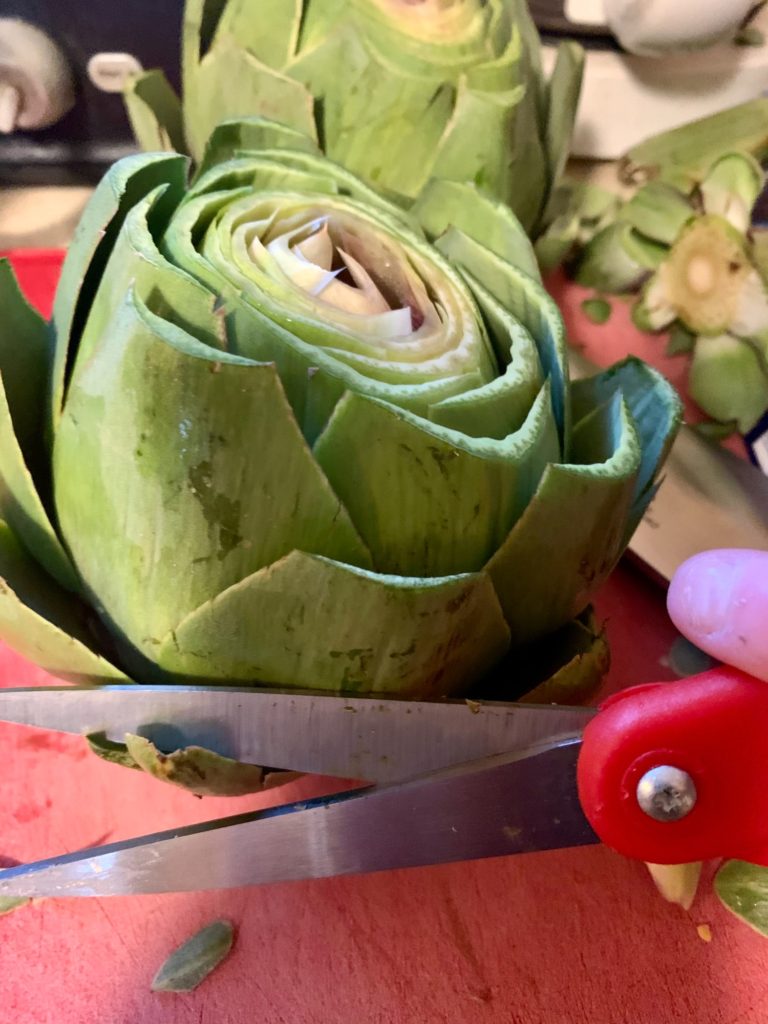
{"points": [[399, 91], [275, 434]]}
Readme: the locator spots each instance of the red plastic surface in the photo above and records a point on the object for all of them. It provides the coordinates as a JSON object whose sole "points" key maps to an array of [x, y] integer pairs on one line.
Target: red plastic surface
{"points": [[712, 726], [557, 938]]}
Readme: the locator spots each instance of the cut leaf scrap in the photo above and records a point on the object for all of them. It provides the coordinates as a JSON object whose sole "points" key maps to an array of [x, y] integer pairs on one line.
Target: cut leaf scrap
{"points": [[190, 964]]}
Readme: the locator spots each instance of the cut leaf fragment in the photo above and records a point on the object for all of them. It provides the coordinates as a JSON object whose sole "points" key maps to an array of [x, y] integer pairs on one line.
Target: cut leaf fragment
{"points": [[190, 964], [195, 769]]}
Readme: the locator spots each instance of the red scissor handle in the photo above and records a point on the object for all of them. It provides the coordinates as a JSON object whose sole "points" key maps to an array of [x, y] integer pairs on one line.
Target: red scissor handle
{"points": [[714, 727]]}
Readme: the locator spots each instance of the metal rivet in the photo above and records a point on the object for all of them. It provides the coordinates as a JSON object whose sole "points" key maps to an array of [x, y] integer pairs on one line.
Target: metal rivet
{"points": [[666, 793]]}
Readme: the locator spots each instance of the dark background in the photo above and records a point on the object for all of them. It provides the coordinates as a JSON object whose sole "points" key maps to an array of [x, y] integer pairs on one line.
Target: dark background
{"points": [[96, 131]]}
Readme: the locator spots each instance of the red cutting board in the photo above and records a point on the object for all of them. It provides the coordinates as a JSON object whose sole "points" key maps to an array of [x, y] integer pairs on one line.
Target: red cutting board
{"points": [[577, 937]]}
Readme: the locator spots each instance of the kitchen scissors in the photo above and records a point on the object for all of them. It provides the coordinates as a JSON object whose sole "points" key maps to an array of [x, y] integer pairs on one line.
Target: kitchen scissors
{"points": [[665, 772]]}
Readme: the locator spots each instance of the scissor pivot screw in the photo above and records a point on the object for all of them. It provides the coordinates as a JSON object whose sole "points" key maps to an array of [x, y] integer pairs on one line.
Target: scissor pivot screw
{"points": [[666, 793]]}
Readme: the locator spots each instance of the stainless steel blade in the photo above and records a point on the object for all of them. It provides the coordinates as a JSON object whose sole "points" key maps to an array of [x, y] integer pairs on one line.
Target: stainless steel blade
{"points": [[357, 737], [709, 498], [502, 805]]}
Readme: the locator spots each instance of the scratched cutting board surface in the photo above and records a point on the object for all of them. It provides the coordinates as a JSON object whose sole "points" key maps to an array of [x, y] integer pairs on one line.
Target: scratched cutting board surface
{"points": [[555, 938]]}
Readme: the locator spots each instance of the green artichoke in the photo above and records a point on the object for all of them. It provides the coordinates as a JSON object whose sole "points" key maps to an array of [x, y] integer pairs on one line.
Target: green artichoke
{"points": [[399, 91], [287, 433]]}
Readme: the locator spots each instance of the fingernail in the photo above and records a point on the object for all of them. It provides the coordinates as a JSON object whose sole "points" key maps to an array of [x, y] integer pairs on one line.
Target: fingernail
{"points": [[702, 593]]}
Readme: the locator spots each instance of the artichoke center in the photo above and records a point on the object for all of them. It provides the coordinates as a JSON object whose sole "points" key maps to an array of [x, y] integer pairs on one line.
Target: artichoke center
{"points": [[346, 266], [705, 274]]}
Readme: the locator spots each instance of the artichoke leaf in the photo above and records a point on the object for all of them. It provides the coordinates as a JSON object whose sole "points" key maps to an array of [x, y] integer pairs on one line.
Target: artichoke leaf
{"points": [[584, 504], [608, 264], [563, 90], [195, 769], [21, 507], [444, 204], [526, 300], [345, 628], [469, 149], [43, 623], [656, 412], [24, 359], [148, 456], [426, 499], [136, 263], [125, 184], [658, 211], [499, 408], [388, 135], [564, 667], [728, 379], [232, 139], [25, 356], [260, 90], [154, 111], [272, 36]]}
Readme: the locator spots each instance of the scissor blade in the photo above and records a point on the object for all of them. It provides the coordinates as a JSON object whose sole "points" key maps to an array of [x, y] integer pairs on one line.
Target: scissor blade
{"points": [[358, 737], [502, 805]]}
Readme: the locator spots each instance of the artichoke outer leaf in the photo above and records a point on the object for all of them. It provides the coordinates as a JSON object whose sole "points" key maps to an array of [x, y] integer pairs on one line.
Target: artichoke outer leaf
{"points": [[124, 185], [231, 83], [21, 507], [175, 413], [585, 505], [42, 623], [25, 356], [270, 33], [693, 147], [232, 139], [563, 91], [24, 359], [154, 111], [728, 379], [732, 187], [136, 263], [658, 211], [427, 500], [307, 621], [195, 769], [469, 149], [386, 135], [656, 411], [563, 667], [606, 263], [443, 204]]}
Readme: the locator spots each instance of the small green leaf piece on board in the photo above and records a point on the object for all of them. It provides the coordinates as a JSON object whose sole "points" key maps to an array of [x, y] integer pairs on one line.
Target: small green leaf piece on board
{"points": [[596, 310], [743, 889], [9, 903], [193, 961]]}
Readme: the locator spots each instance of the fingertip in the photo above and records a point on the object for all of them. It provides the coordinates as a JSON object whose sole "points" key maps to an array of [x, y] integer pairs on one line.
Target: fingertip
{"points": [[719, 601]]}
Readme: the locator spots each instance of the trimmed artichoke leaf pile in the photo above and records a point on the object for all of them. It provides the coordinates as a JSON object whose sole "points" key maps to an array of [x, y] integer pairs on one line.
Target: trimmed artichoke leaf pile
{"points": [[684, 251], [398, 91], [279, 431]]}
